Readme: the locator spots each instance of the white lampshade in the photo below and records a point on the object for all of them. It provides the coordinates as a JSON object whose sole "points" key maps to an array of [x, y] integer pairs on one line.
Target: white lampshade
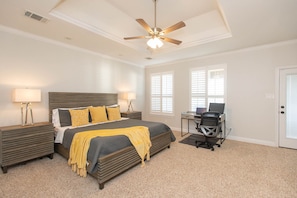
{"points": [[129, 96], [26, 95], [155, 43]]}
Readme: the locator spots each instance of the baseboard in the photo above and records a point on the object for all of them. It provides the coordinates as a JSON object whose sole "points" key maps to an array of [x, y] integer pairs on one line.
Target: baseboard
{"points": [[253, 141]]}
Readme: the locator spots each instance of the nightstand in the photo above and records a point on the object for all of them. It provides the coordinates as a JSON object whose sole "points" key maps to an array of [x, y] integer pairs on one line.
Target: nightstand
{"points": [[132, 115], [22, 143]]}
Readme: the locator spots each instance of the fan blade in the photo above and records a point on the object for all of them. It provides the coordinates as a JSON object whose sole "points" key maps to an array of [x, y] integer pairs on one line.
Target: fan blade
{"points": [[174, 41], [145, 25], [135, 37], [174, 27]]}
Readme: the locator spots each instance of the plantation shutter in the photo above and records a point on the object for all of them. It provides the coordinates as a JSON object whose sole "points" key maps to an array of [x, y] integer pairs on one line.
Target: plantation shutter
{"points": [[216, 86], [198, 89], [156, 93], [207, 85], [167, 93], [162, 93]]}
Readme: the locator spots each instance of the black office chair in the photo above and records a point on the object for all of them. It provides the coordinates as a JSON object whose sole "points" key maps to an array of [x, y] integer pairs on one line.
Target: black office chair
{"points": [[210, 127]]}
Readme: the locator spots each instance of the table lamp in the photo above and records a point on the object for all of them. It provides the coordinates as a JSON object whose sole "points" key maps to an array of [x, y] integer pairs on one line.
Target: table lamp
{"points": [[129, 97], [26, 97]]}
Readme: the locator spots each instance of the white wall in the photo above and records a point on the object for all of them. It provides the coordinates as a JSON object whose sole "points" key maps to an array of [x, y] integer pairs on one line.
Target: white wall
{"points": [[251, 108], [31, 62], [27, 61]]}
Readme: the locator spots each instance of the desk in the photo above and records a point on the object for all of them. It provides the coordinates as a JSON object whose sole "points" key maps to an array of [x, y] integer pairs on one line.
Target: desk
{"points": [[191, 115]]}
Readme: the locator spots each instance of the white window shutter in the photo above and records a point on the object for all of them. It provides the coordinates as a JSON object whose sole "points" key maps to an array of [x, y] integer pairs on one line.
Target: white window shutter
{"points": [[162, 93], [207, 85]]}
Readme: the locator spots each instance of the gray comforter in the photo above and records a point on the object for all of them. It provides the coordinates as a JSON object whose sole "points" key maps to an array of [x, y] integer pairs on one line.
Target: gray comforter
{"points": [[101, 146]]}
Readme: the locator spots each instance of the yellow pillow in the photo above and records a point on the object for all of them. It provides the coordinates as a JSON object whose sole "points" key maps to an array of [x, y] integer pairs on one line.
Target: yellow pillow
{"points": [[79, 116], [114, 113], [98, 114]]}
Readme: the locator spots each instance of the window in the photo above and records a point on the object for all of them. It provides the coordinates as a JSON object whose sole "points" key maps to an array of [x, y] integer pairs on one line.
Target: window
{"points": [[207, 85], [162, 93]]}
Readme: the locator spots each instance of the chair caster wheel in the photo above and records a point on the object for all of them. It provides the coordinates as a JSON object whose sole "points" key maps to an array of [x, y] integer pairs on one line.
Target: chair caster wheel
{"points": [[196, 142], [212, 149], [219, 145]]}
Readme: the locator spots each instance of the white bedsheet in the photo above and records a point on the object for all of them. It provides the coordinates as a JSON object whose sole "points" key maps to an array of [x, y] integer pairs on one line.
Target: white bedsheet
{"points": [[59, 131]]}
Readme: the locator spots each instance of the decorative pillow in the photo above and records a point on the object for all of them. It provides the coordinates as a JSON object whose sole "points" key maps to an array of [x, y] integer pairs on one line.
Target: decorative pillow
{"points": [[114, 113], [61, 116], [65, 118], [79, 116], [98, 114]]}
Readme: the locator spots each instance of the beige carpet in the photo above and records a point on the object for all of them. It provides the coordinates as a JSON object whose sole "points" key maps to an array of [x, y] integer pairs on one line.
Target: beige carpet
{"points": [[235, 170]]}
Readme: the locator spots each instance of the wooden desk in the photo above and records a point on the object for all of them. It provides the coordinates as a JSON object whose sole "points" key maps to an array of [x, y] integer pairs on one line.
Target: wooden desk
{"points": [[191, 115]]}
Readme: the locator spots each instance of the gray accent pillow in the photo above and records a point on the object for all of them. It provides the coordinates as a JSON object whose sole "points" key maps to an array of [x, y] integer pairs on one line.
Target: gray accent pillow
{"points": [[65, 118]]}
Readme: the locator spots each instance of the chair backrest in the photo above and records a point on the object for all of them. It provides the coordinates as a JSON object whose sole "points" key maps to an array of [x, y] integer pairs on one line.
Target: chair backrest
{"points": [[210, 123], [210, 118]]}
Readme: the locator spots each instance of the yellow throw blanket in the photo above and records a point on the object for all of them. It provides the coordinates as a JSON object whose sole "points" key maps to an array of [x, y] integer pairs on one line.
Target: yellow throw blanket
{"points": [[139, 136]]}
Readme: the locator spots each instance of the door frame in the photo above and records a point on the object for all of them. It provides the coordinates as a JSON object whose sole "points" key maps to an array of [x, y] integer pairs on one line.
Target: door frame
{"points": [[277, 100]]}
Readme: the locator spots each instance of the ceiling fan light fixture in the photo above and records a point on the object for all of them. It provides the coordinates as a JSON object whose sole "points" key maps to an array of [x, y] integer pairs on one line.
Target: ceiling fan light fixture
{"points": [[156, 33], [154, 43]]}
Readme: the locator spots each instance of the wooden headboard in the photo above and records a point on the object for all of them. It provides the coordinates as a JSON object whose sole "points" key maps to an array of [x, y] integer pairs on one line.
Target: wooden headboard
{"points": [[76, 99]]}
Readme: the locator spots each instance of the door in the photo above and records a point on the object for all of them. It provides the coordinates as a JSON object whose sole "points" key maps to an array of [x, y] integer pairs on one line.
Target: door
{"points": [[288, 108]]}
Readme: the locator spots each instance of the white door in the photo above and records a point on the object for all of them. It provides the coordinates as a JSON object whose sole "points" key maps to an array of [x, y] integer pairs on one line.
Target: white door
{"points": [[288, 108]]}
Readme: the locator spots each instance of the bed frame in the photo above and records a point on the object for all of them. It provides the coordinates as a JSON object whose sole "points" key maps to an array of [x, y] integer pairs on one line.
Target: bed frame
{"points": [[115, 163]]}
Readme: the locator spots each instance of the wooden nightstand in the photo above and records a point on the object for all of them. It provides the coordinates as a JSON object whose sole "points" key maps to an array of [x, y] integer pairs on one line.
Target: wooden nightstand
{"points": [[132, 115], [22, 143]]}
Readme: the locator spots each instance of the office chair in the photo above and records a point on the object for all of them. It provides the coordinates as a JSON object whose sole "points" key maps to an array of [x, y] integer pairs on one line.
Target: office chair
{"points": [[210, 127]]}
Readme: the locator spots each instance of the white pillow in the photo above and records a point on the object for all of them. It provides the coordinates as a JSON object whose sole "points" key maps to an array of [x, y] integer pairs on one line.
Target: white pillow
{"points": [[56, 118], [111, 106]]}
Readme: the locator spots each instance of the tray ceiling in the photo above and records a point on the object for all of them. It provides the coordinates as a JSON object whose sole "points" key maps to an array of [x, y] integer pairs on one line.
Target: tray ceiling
{"points": [[99, 26]]}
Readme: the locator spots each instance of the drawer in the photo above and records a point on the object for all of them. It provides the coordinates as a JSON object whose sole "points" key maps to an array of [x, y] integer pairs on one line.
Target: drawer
{"points": [[26, 131], [27, 153], [135, 116], [23, 141], [132, 115]]}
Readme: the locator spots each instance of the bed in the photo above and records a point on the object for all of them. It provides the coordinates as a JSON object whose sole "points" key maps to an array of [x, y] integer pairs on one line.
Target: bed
{"points": [[109, 156]]}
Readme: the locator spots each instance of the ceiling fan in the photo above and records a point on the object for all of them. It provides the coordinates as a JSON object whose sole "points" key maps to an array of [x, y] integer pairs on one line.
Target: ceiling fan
{"points": [[156, 33]]}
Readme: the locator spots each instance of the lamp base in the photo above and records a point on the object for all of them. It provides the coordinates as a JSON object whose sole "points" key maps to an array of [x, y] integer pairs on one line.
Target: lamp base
{"points": [[28, 108], [130, 107]]}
